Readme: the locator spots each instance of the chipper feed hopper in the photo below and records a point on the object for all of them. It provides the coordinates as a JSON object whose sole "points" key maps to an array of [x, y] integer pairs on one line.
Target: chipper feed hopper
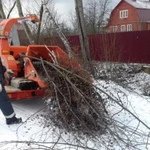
{"points": [[26, 82]]}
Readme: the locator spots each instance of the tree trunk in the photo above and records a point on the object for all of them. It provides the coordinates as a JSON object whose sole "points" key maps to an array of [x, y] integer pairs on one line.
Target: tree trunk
{"points": [[2, 14], [26, 28], [19, 7], [39, 26], [83, 35]]}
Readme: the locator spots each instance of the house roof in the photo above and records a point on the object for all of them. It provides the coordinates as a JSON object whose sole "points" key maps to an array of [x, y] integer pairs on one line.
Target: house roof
{"points": [[144, 14], [143, 9], [139, 4]]}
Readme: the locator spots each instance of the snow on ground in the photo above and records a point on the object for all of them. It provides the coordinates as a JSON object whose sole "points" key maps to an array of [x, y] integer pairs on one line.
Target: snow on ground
{"points": [[134, 99], [25, 131], [132, 95]]}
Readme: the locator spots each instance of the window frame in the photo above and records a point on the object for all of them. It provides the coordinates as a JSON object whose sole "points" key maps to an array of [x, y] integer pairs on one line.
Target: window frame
{"points": [[123, 26], [124, 13], [129, 27], [115, 28]]}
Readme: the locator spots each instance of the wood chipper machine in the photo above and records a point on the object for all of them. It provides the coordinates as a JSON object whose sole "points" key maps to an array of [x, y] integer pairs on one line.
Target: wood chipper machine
{"points": [[26, 82]]}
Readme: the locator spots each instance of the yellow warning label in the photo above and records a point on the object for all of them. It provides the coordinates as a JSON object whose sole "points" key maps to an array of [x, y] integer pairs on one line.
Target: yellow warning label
{"points": [[5, 51], [1, 32], [10, 58]]}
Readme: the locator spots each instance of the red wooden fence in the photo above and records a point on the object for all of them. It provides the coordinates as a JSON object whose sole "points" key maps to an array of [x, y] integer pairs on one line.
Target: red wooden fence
{"points": [[121, 47]]}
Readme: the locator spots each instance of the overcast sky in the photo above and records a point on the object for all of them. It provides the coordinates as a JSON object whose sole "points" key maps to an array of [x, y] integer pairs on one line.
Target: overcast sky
{"points": [[64, 7]]}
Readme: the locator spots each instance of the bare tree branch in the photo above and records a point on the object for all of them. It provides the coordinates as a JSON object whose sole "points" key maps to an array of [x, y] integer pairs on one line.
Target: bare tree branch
{"points": [[11, 9]]}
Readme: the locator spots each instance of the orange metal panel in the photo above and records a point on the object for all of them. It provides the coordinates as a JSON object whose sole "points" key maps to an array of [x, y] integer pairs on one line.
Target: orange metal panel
{"points": [[26, 94]]}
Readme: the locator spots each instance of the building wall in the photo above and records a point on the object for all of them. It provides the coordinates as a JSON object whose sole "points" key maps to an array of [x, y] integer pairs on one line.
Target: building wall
{"points": [[148, 26], [133, 18]]}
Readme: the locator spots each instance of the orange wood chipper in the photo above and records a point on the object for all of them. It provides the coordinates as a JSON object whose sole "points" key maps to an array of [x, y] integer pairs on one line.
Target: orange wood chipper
{"points": [[26, 82]]}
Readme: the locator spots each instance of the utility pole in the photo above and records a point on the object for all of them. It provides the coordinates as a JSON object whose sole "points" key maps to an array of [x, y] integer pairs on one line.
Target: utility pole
{"points": [[82, 31]]}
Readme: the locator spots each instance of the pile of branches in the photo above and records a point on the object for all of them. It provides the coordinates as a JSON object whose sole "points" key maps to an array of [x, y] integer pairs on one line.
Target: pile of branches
{"points": [[117, 72], [73, 102]]}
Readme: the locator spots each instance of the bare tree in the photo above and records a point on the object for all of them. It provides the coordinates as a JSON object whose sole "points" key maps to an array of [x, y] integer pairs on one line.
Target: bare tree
{"points": [[11, 9], [96, 12], [73, 22], [58, 30]]}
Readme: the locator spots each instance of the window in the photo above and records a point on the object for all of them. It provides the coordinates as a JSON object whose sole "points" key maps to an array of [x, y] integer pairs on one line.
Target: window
{"points": [[124, 14], [129, 27], [115, 28], [123, 28]]}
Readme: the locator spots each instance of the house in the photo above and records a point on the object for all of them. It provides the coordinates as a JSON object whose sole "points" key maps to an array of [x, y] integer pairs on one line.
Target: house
{"points": [[130, 15]]}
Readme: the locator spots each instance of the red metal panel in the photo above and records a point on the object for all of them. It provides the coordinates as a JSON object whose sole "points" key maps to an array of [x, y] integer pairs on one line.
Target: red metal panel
{"points": [[119, 47]]}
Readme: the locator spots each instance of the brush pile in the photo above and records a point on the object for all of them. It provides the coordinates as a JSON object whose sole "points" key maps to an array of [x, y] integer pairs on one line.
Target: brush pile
{"points": [[73, 102]]}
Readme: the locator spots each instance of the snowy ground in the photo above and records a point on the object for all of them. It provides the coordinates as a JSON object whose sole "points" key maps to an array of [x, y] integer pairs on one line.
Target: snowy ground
{"points": [[132, 95]]}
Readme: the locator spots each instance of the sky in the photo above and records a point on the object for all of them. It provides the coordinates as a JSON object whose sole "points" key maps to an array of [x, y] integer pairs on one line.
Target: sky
{"points": [[68, 5], [65, 7]]}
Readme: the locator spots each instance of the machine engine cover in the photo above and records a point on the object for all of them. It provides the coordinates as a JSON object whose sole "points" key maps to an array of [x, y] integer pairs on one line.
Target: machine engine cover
{"points": [[24, 84]]}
